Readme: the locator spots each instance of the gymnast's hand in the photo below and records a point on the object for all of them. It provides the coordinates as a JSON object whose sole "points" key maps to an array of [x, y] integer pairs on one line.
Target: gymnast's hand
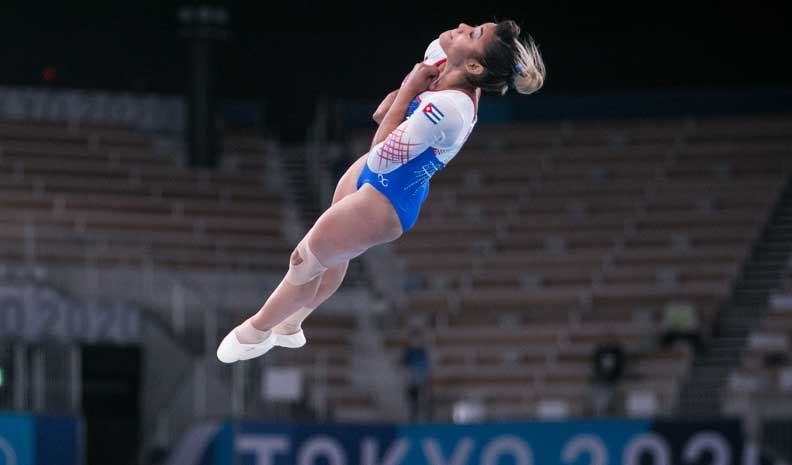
{"points": [[420, 79]]}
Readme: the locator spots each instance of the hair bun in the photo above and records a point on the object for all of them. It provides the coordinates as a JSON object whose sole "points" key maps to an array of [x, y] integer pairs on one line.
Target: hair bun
{"points": [[529, 69], [527, 83]]}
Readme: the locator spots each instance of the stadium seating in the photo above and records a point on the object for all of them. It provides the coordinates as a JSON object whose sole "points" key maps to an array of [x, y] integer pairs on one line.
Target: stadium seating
{"points": [[103, 193], [540, 242]]}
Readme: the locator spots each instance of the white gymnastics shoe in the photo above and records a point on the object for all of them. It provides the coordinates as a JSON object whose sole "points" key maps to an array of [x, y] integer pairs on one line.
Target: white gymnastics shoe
{"points": [[231, 350], [290, 341]]}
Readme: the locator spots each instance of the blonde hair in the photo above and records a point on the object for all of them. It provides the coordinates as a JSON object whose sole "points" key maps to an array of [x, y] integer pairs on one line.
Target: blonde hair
{"points": [[529, 68], [510, 62]]}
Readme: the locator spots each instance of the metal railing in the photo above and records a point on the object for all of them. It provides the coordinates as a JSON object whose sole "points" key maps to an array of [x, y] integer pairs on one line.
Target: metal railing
{"points": [[40, 378]]}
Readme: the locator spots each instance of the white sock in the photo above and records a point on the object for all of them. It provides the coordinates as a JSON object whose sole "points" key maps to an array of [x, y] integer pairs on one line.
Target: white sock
{"points": [[246, 333], [293, 323]]}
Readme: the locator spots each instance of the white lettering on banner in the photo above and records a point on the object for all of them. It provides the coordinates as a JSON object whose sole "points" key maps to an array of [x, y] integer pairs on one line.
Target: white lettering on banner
{"points": [[12, 315], [647, 443], [433, 454], [43, 318], [708, 441], [76, 319], [100, 323], [9, 455], [369, 451], [507, 445], [146, 112], [34, 313], [321, 446], [263, 447], [499, 450], [585, 443]]}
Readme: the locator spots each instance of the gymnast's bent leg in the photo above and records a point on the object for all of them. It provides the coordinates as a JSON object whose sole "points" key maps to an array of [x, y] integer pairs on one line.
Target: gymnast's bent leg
{"points": [[289, 331], [347, 229], [254, 338]]}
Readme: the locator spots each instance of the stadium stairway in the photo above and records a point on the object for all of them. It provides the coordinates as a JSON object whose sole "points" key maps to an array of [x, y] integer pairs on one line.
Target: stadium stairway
{"points": [[295, 166], [760, 274], [312, 181]]}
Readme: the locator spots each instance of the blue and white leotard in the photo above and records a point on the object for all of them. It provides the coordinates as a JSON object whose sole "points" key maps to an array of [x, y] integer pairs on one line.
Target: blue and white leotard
{"points": [[436, 128]]}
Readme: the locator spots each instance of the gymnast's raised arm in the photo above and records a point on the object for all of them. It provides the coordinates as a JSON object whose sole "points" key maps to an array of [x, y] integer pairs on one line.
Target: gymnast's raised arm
{"points": [[418, 81]]}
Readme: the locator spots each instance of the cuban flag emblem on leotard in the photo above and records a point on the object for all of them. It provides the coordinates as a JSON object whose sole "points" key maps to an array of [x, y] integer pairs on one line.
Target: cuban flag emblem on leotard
{"points": [[433, 113]]}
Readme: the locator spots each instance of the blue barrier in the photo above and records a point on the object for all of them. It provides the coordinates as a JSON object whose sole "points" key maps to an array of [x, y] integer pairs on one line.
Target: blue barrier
{"points": [[628, 442], [16, 440], [27, 440]]}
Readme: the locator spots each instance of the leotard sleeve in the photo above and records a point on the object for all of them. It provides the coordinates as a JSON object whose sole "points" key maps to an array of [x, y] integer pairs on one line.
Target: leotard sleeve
{"points": [[437, 122]]}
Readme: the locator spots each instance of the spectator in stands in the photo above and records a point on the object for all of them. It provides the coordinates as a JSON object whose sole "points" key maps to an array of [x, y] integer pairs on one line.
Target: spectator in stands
{"points": [[608, 367], [680, 322], [417, 362]]}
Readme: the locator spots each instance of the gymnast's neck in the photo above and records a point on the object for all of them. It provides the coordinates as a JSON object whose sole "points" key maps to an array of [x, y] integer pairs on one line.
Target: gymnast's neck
{"points": [[452, 78]]}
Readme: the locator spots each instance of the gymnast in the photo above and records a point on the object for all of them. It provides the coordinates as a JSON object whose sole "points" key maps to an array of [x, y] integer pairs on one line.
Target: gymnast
{"points": [[422, 126]]}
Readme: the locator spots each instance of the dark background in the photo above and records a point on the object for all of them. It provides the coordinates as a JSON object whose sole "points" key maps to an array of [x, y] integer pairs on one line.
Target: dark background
{"points": [[289, 53]]}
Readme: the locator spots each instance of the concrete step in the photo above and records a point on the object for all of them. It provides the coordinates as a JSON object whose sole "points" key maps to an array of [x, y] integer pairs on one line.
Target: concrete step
{"points": [[721, 358], [742, 311], [767, 274], [769, 257], [751, 299], [760, 266], [774, 247], [735, 324], [712, 359], [740, 332], [763, 252], [710, 366], [724, 341], [743, 314], [776, 237], [766, 264], [710, 373], [717, 355], [723, 361], [737, 320], [756, 284], [703, 383], [764, 277]]}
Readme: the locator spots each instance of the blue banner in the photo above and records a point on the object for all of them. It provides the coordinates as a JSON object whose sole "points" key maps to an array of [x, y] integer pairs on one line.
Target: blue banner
{"points": [[628, 442], [27, 440], [16, 440]]}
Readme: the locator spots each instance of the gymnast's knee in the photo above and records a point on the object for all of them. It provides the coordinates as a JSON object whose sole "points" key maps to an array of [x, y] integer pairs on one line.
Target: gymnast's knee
{"points": [[304, 266]]}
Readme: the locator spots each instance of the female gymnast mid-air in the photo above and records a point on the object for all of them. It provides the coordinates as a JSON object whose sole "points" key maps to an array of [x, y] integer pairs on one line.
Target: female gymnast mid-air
{"points": [[422, 126]]}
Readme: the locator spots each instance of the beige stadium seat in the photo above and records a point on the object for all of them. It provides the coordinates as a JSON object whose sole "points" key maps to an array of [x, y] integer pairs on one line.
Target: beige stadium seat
{"points": [[103, 192], [592, 228]]}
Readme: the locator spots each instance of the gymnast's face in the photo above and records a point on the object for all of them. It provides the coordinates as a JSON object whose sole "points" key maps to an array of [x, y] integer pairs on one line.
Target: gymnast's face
{"points": [[465, 44]]}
